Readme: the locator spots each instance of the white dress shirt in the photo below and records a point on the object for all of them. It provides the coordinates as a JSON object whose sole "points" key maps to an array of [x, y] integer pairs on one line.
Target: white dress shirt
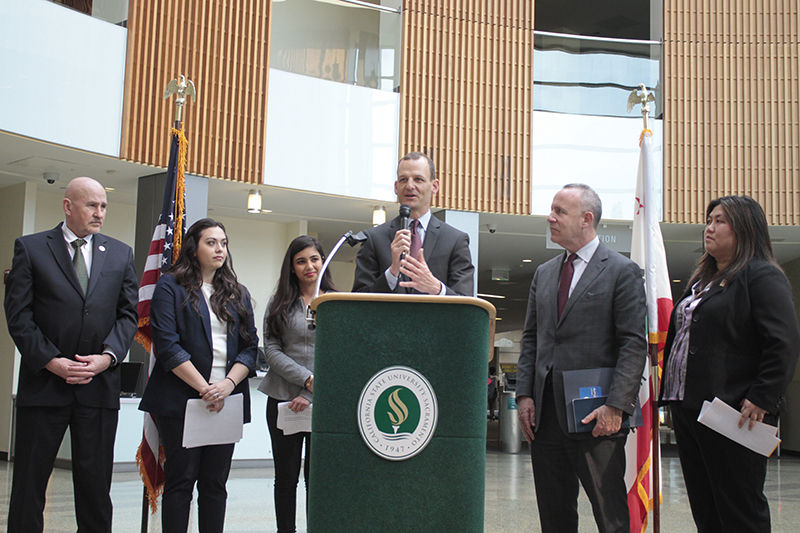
{"points": [[585, 255], [219, 339], [86, 249]]}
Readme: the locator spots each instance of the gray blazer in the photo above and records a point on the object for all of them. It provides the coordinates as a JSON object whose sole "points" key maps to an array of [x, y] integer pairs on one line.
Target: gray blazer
{"points": [[446, 251], [603, 325], [291, 361]]}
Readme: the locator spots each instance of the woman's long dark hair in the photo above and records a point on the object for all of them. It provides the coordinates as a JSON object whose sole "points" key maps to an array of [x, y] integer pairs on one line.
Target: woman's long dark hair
{"points": [[288, 290], [227, 289], [749, 224]]}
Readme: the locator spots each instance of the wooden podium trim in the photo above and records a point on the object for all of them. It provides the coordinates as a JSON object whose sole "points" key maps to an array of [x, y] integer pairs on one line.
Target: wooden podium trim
{"points": [[413, 298]]}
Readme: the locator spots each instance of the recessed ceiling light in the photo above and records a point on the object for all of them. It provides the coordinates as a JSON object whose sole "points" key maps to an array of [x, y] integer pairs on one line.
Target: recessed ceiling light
{"points": [[527, 260], [498, 296], [676, 281], [109, 189]]}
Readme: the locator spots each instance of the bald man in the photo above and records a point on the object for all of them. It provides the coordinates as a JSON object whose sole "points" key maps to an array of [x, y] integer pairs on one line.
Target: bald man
{"points": [[70, 304]]}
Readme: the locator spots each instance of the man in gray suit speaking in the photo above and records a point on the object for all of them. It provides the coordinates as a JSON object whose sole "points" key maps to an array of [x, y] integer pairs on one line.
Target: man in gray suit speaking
{"points": [[431, 257], [586, 310]]}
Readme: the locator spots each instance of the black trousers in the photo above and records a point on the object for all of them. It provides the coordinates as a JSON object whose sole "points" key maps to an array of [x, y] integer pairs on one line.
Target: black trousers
{"points": [[559, 462], [208, 466], [287, 453], [724, 480], [39, 432]]}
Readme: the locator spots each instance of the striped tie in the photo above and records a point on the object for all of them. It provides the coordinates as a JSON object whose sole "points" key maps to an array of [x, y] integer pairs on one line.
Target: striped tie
{"points": [[416, 242]]}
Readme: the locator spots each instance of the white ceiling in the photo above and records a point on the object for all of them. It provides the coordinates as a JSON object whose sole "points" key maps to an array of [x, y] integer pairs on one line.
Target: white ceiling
{"points": [[516, 237]]}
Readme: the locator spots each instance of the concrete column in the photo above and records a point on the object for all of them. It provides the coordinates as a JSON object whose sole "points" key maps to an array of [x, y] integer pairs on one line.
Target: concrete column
{"points": [[295, 229], [790, 416], [17, 216], [149, 202], [468, 222]]}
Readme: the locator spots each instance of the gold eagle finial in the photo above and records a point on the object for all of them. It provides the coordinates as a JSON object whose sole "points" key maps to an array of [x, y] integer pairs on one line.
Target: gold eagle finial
{"points": [[183, 87], [641, 96]]}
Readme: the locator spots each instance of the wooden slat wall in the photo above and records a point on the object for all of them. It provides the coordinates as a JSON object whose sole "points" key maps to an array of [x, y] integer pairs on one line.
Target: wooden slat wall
{"points": [[466, 99], [223, 47], [731, 83]]}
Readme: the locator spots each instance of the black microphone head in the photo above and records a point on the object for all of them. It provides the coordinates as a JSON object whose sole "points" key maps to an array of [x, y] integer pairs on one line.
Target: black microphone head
{"points": [[405, 211]]}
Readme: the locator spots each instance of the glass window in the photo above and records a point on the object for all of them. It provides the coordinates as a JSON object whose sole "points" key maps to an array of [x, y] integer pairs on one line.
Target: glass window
{"points": [[113, 11], [592, 76], [618, 19], [348, 41]]}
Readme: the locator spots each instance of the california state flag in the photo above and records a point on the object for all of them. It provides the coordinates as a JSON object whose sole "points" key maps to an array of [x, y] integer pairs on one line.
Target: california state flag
{"points": [[647, 250]]}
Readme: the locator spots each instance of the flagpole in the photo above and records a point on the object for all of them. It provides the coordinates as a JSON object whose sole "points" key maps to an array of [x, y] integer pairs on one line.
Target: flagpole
{"points": [[655, 471], [182, 87], [643, 97]]}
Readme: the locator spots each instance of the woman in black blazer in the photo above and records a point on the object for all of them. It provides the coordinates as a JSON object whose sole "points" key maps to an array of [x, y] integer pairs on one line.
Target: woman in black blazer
{"points": [[205, 345], [733, 335]]}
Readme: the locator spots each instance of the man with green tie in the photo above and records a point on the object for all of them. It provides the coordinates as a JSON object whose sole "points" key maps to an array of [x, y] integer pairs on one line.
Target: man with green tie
{"points": [[70, 304]]}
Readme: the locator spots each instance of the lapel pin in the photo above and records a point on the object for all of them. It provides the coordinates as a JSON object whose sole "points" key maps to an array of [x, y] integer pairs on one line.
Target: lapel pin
{"points": [[101, 248]]}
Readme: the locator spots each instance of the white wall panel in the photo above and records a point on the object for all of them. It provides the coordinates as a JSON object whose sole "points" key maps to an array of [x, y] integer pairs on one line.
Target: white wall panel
{"points": [[602, 152], [330, 137], [62, 75]]}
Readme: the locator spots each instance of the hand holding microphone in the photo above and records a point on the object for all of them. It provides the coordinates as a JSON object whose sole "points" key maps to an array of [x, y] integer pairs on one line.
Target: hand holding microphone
{"points": [[402, 240], [405, 221]]}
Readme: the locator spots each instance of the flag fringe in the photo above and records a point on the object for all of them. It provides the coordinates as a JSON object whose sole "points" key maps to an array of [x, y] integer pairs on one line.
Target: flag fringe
{"points": [[180, 189], [140, 337], [153, 493]]}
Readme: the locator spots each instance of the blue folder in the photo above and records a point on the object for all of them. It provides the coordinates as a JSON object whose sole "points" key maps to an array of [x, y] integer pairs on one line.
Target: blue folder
{"points": [[587, 389]]}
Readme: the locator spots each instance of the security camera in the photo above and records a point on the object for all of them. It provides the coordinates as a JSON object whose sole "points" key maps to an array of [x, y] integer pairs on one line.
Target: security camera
{"points": [[491, 227], [50, 177]]}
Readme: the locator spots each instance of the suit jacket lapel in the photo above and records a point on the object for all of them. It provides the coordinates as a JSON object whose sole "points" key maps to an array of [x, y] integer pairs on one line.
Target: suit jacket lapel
{"points": [[715, 289], [58, 247], [233, 335], [597, 264], [431, 235], [98, 260], [549, 283], [205, 318]]}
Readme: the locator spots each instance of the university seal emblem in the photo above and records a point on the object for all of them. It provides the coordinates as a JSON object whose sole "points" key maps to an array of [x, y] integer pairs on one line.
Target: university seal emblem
{"points": [[397, 413]]}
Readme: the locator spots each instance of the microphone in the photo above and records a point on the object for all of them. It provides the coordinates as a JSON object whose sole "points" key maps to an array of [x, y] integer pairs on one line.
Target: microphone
{"points": [[405, 222], [350, 239], [405, 213]]}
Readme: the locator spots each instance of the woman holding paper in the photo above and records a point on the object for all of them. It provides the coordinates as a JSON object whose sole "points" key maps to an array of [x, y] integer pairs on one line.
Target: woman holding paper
{"points": [[205, 344], [289, 346], [733, 336]]}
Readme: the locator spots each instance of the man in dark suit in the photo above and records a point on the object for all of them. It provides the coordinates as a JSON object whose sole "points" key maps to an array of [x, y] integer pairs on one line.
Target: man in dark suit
{"points": [[586, 310], [437, 258], [71, 308]]}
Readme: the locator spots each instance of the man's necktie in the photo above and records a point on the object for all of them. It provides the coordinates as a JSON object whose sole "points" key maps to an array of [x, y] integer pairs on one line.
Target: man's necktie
{"points": [[416, 242], [564, 282], [80, 264]]}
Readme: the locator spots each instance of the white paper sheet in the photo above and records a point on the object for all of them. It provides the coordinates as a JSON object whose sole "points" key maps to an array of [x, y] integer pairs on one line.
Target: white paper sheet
{"points": [[201, 427], [724, 419], [291, 422]]}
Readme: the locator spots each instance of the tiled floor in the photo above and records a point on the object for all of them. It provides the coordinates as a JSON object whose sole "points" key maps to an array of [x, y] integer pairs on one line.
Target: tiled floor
{"points": [[510, 502]]}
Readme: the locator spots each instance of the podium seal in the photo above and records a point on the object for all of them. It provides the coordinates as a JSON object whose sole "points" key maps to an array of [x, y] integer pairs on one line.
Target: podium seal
{"points": [[397, 413]]}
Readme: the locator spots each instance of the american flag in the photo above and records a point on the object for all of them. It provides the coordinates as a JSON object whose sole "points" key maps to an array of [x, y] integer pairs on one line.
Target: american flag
{"points": [[164, 248]]}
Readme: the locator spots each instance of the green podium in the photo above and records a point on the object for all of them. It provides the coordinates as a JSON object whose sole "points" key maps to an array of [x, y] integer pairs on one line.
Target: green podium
{"points": [[399, 430]]}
